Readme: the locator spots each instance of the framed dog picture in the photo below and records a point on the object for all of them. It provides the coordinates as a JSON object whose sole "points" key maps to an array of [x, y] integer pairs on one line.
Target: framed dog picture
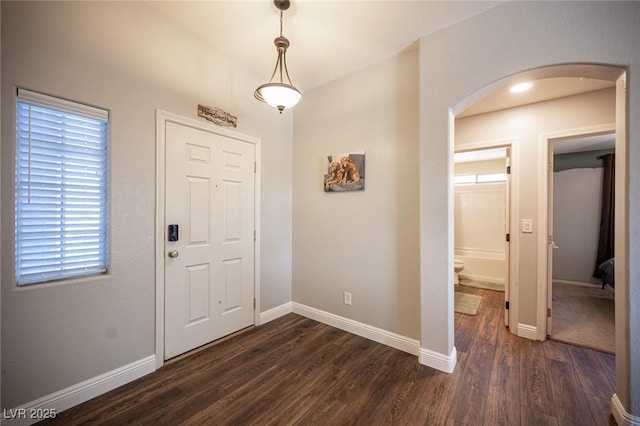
{"points": [[345, 172]]}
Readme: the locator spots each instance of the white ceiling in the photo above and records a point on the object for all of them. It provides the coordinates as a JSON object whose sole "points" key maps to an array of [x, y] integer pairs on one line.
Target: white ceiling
{"points": [[585, 143], [329, 38], [334, 38], [542, 90]]}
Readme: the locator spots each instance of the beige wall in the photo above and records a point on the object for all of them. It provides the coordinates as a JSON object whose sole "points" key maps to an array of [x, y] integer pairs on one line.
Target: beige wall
{"points": [[125, 57], [486, 53], [525, 125], [366, 242]]}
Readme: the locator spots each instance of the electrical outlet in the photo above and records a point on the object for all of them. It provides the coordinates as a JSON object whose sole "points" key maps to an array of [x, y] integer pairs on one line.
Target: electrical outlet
{"points": [[347, 298]]}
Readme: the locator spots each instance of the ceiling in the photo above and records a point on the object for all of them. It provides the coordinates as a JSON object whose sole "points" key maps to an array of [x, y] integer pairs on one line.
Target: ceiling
{"points": [[334, 38], [542, 90], [585, 143], [329, 38]]}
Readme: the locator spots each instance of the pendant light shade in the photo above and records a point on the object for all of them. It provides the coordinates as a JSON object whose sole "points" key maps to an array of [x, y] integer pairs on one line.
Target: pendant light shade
{"points": [[279, 93]]}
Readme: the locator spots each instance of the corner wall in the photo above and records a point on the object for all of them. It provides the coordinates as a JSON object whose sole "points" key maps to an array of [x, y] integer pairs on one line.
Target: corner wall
{"points": [[365, 243], [128, 58]]}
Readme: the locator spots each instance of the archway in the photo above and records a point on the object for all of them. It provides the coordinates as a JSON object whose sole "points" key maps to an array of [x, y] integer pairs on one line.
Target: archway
{"points": [[537, 287], [534, 329]]}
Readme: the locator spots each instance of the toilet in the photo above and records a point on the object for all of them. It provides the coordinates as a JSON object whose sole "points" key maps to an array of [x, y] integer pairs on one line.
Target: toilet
{"points": [[458, 266]]}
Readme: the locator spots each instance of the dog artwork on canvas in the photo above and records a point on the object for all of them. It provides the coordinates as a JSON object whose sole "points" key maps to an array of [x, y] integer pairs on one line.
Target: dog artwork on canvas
{"points": [[347, 174]]}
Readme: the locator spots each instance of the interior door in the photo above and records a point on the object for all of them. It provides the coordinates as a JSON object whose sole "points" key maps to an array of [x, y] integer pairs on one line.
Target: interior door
{"points": [[209, 213], [507, 245], [550, 242]]}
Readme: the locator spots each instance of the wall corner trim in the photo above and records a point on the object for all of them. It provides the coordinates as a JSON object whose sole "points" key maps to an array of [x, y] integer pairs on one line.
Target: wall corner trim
{"points": [[439, 361], [86, 390], [275, 313], [623, 418], [370, 332], [527, 331]]}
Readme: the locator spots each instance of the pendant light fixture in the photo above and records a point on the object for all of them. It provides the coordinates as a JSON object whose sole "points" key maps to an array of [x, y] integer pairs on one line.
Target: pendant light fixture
{"points": [[279, 93]]}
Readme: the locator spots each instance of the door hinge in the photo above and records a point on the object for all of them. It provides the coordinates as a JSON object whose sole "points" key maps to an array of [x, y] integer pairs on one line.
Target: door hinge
{"points": [[254, 235], [549, 239], [550, 168], [506, 305], [254, 303], [548, 312], [508, 237], [255, 167], [508, 170]]}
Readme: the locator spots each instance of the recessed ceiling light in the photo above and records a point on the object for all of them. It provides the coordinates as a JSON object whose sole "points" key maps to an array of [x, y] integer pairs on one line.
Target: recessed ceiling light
{"points": [[521, 87]]}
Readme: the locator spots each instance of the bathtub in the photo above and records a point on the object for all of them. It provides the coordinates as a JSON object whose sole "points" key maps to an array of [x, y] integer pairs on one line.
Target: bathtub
{"points": [[483, 265]]}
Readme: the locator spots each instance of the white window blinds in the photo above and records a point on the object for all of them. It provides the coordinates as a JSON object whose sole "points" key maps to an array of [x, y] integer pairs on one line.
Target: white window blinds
{"points": [[61, 189]]}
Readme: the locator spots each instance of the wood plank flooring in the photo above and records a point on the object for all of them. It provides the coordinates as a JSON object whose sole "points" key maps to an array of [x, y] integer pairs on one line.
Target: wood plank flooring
{"points": [[297, 371]]}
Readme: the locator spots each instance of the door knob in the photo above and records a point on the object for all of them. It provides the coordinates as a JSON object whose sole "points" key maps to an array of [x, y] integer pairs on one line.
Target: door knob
{"points": [[173, 253]]}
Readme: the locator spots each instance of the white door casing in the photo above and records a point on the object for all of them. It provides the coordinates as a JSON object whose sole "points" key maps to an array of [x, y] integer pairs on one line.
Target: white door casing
{"points": [[507, 231], [208, 187], [550, 242]]}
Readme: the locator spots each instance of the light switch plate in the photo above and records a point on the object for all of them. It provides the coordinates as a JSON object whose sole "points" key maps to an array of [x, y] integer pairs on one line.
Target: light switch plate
{"points": [[527, 225]]}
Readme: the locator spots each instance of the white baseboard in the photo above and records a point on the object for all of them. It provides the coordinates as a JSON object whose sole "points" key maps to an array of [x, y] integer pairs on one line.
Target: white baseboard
{"points": [[623, 418], [79, 393], [275, 313], [427, 357], [527, 331], [439, 361], [385, 337], [578, 283]]}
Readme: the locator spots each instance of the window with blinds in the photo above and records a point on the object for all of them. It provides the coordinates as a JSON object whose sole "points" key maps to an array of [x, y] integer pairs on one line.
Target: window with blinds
{"points": [[61, 189]]}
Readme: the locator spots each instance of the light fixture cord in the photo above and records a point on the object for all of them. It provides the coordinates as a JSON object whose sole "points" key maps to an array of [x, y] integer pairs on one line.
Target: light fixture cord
{"points": [[284, 57], [280, 53], [281, 62]]}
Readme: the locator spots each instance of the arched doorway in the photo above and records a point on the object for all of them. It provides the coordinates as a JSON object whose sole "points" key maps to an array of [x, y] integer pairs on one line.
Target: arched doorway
{"points": [[534, 187], [538, 289]]}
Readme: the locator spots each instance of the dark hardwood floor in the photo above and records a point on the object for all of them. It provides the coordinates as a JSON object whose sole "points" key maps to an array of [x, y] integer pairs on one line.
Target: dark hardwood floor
{"points": [[297, 371]]}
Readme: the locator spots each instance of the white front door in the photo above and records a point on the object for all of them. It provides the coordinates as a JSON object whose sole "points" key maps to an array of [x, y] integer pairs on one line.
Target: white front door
{"points": [[209, 270]]}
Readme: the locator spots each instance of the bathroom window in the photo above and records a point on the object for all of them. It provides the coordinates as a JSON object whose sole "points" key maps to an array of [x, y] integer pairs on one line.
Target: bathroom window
{"points": [[491, 177], [463, 179], [61, 189], [473, 178]]}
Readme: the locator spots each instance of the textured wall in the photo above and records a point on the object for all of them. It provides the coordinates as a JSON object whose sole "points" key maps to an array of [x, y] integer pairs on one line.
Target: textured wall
{"points": [[361, 242], [125, 57]]}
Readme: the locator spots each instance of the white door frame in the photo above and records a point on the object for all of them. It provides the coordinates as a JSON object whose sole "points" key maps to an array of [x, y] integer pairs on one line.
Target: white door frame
{"points": [[544, 141], [512, 145], [162, 118]]}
